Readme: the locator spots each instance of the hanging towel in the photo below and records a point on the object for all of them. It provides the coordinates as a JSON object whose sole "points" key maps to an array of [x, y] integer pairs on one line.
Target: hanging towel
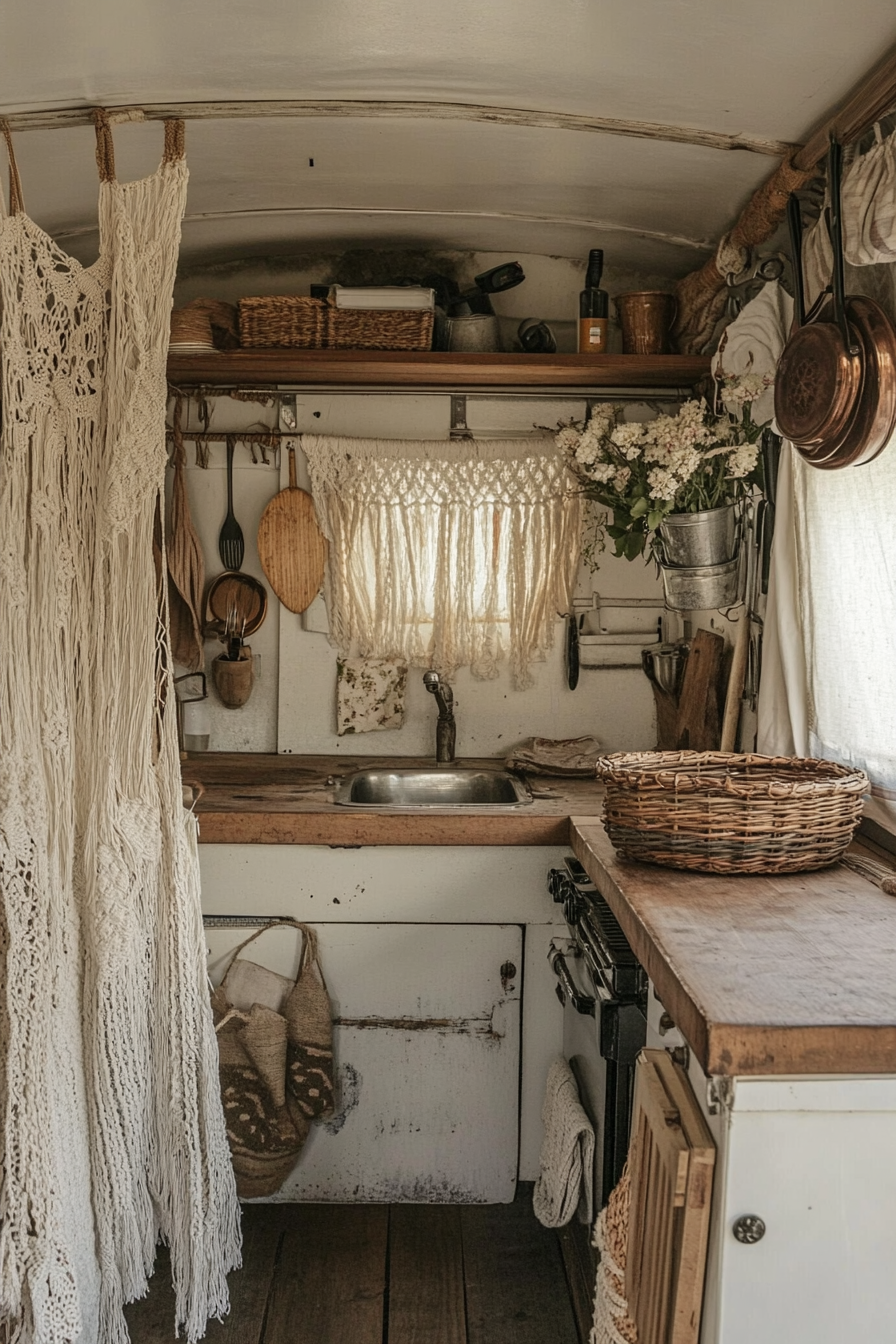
{"points": [[753, 344], [369, 694], [567, 1152]]}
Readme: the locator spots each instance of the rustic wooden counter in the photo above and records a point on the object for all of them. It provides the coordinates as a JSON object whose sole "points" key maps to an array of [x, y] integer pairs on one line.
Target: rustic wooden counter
{"points": [[763, 975], [258, 799]]}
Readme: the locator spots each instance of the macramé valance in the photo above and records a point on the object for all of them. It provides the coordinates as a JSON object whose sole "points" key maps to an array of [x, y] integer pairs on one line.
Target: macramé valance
{"points": [[446, 554]]}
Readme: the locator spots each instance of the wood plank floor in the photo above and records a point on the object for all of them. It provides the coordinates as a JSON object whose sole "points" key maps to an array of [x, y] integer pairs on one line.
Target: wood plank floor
{"points": [[399, 1274]]}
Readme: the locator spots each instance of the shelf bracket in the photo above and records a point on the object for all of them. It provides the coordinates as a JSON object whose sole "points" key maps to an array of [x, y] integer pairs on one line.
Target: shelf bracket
{"points": [[289, 416], [459, 426]]}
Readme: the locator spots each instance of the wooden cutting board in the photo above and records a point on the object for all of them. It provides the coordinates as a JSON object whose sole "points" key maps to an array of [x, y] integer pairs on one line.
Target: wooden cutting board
{"points": [[291, 546]]}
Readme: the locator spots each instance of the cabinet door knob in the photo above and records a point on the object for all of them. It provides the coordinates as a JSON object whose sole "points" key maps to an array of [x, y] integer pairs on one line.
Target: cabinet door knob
{"points": [[749, 1229]]}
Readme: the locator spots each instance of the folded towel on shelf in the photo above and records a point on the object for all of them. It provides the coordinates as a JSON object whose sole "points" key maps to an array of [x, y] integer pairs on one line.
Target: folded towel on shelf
{"points": [[369, 694], [566, 1178], [556, 756]]}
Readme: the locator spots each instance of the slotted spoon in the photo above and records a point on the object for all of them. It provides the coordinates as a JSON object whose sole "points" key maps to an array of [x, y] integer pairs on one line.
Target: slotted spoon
{"points": [[230, 539]]}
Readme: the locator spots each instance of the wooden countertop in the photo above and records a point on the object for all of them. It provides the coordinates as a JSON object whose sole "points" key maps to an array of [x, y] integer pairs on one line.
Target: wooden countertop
{"points": [[258, 799], [763, 975]]}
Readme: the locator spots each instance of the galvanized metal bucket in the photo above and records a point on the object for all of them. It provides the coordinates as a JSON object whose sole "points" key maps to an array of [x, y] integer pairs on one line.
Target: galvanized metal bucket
{"points": [[691, 539], [702, 587]]}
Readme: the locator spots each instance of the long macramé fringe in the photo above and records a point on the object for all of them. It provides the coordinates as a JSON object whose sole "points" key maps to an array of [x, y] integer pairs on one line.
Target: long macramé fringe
{"points": [[110, 1114]]}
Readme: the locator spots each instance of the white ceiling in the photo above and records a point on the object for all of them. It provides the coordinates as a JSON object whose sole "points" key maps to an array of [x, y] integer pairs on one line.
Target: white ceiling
{"points": [[766, 70]]}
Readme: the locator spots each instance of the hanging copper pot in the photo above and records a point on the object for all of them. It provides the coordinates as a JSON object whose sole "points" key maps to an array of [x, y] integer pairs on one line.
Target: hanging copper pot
{"points": [[818, 382], [874, 421], [835, 389]]}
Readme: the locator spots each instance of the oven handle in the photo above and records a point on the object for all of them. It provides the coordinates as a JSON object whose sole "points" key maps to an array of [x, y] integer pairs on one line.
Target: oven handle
{"points": [[583, 1003], [595, 960]]}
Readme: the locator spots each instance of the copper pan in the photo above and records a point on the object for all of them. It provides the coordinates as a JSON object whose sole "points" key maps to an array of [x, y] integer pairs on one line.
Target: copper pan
{"points": [[874, 420], [818, 382]]}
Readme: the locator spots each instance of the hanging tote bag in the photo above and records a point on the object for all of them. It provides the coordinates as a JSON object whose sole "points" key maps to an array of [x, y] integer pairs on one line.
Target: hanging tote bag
{"points": [[275, 1042]]}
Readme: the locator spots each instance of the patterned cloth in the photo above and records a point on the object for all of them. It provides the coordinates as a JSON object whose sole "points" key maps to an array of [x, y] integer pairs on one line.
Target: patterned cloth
{"points": [[369, 694]]}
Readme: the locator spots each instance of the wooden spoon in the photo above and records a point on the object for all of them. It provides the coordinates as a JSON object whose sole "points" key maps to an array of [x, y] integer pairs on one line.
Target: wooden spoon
{"points": [[291, 546]]}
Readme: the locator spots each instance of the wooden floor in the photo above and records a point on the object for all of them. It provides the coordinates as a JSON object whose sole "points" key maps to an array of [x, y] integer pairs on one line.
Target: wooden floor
{"points": [[399, 1274]]}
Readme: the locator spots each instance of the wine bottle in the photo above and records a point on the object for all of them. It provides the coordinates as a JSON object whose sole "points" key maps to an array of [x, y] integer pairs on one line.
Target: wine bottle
{"points": [[594, 308]]}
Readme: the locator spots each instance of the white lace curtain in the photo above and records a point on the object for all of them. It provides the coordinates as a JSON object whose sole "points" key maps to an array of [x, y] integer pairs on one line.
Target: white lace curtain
{"points": [[445, 554]]}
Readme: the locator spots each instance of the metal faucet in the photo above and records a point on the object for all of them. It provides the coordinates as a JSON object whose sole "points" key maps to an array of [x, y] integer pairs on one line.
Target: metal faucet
{"points": [[446, 730]]}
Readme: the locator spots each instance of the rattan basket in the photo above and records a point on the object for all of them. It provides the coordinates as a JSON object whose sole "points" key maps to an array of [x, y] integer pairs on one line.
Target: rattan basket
{"points": [[717, 812], [296, 321]]}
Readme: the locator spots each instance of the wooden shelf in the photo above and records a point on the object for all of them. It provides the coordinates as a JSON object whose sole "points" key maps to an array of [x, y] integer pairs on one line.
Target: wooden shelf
{"points": [[374, 368]]}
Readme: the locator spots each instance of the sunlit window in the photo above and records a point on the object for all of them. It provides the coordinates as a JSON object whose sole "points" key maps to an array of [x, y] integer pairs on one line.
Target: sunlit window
{"points": [[846, 536]]}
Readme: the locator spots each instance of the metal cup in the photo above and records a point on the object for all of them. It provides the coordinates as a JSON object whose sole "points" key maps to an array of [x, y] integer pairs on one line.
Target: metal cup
{"points": [[476, 332], [646, 318], [663, 664]]}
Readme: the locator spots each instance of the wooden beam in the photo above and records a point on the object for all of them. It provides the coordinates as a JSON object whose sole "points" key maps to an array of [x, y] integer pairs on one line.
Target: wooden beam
{"points": [[701, 295], [874, 96], [399, 111]]}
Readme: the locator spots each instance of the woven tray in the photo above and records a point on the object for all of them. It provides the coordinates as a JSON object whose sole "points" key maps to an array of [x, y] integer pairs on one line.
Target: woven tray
{"points": [[717, 812], [298, 322]]}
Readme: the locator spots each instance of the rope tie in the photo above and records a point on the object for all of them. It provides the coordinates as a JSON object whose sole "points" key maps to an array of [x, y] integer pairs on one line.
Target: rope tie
{"points": [[105, 150], [175, 135], [179, 456], [16, 200]]}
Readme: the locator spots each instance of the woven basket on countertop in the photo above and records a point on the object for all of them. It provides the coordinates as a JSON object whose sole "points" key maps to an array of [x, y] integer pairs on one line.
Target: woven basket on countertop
{"points": [[717, 812], [298, 322]]}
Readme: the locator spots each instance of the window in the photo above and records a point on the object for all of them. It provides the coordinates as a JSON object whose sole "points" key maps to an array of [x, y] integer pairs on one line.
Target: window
{"points": [[846, 547]]}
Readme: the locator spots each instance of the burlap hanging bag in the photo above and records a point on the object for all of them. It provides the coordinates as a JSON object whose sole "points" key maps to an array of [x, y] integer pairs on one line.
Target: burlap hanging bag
{"points": [[275, 1040], [309, 1054]]}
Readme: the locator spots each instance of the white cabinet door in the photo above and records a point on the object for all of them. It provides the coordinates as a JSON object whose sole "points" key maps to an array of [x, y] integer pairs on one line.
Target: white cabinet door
{"points": [[813, 1158], [427, 1045]]}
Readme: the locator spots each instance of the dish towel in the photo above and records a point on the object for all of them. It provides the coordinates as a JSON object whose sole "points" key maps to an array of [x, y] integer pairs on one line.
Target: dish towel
{"points": [[556, 756], [567, 1152], [369, 694], [753, 343]]}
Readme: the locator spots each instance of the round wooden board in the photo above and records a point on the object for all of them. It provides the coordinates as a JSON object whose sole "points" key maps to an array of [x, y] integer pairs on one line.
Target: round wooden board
{"points": [[292, 548]]}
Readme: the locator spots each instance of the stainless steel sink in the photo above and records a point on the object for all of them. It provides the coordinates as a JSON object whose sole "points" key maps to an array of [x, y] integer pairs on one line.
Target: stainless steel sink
{"points": [[432, 788]]}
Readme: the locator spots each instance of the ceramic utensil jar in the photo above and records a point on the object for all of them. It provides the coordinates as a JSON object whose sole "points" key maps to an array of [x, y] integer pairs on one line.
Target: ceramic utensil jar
{"points": [[234, 677]]}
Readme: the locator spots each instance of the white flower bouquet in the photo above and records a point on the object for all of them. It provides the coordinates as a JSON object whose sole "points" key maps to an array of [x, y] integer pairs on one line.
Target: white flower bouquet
{"points": [[685, 463]]}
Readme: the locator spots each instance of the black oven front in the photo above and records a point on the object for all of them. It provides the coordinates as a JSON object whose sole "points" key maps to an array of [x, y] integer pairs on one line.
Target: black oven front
{"points": [[603, 990]]}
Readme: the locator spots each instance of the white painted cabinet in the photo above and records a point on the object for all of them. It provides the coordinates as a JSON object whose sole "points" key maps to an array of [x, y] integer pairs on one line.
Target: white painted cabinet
{"points": [[427, 1039], [813, 1157], [445, 1104]]}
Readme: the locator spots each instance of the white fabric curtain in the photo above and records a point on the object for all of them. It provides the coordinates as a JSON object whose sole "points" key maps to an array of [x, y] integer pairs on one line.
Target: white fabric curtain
{"points": [[830, 629], [783, 707], [446, 554]]}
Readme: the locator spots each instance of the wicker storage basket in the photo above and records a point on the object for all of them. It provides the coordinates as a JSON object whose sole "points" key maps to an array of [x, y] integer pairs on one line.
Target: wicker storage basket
{"points": [[717, 812], [295, 321]]}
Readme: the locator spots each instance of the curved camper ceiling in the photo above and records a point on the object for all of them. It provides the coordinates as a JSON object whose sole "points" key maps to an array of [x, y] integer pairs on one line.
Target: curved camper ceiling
{"points": [[388, 140]]}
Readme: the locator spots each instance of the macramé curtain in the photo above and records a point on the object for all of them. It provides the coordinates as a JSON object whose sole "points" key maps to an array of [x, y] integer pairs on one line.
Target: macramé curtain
{"points": [[446, 554], [111, 1127]]}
